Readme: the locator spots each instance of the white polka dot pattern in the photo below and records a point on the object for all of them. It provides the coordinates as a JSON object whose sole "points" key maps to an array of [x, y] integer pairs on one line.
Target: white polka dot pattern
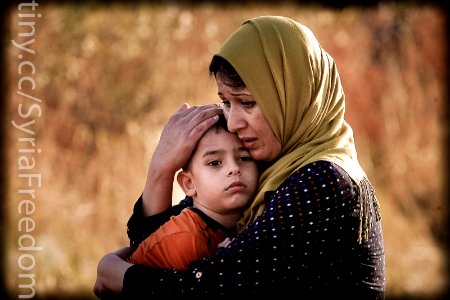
{"points": [[304, 244]]}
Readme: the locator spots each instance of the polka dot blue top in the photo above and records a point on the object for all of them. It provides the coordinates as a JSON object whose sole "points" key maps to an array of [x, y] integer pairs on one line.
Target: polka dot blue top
{"points": [[305, 244]]}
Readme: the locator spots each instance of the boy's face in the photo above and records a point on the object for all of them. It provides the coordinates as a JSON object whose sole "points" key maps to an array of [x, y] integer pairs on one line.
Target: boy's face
{"points": [[223, 174]]}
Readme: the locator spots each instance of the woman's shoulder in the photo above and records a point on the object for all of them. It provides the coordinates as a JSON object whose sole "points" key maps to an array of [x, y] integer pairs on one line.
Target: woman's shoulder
{"points": [[319, 172], [314, 181]]}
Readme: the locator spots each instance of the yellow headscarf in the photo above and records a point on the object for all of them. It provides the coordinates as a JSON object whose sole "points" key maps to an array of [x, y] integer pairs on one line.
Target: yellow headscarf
{"points": [[297, 86]]}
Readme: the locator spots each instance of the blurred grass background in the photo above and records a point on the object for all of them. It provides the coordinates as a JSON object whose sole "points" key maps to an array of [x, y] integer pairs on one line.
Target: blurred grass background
{"points": [[111, 75]]}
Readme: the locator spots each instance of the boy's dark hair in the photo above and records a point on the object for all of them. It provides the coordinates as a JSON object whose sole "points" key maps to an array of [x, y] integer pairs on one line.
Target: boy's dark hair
{"points": [[221, 124], [228, 73]]}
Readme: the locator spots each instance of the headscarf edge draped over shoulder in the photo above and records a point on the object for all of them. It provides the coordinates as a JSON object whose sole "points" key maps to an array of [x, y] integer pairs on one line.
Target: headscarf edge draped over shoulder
{"points": [[297, 86]]}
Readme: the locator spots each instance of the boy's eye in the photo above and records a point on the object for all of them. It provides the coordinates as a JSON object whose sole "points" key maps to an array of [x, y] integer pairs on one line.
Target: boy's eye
{"points": [[214, 163], [246, 158]]}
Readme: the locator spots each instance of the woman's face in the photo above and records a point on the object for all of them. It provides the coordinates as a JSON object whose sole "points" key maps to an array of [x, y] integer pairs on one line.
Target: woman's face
{"points": [[245, 118]]}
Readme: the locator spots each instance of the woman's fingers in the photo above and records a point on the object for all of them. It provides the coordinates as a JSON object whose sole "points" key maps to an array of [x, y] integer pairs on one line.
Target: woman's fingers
{"points": [[200, 120], [190, 117], [199, 129], [182, 132], [189, 123], [183, 107]]}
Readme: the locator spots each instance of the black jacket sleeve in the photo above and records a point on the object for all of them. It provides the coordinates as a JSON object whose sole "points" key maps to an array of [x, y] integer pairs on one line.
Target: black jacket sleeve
{"points": [[304, 245], [139, 227]]}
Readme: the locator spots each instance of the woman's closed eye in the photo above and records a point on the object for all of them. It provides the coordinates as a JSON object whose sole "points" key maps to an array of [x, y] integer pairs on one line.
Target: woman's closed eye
{"points": [[226, 104], [248, 104], [244, 103]]}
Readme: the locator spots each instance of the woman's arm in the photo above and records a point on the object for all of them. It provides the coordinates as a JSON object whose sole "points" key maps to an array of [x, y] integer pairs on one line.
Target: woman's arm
{"points": [[110, 273], [304, 244], [177, 141]]}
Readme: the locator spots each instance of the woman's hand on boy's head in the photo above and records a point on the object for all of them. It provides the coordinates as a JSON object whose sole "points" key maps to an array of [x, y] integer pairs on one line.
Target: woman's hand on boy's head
{"points": [[201, 119], [181, 134], [176, 144]]}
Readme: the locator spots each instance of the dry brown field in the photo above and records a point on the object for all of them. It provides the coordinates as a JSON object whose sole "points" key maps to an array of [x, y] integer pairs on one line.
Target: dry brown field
{"points": [[107, 77]]}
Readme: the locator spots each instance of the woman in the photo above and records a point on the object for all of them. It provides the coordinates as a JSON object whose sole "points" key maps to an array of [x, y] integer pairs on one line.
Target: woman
{"points": [[314, 227]]}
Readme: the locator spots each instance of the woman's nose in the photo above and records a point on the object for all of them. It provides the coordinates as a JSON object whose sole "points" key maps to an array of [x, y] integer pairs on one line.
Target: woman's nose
{"points": [[234, 120]]}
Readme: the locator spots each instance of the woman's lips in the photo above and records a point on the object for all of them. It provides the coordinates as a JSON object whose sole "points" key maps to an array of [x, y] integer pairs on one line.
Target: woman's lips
{"points": [[249, 142]]}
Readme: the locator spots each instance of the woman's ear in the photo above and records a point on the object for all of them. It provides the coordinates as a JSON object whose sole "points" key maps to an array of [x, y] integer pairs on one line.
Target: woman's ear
{"points": [[184, 179]]}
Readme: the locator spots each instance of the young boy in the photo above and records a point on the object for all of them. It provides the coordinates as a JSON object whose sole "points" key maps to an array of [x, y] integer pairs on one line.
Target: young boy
{"points": [[221, 177]]}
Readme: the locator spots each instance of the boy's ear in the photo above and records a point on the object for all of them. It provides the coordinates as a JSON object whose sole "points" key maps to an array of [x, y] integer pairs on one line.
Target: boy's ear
{"points": [[187, 185]]}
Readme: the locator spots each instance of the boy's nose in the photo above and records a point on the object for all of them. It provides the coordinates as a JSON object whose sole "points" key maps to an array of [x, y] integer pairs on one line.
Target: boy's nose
{"points": [[234, 171]]}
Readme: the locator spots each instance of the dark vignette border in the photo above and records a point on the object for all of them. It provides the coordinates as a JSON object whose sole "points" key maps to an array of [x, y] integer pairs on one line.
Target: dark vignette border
{"points": [[8, 5]]}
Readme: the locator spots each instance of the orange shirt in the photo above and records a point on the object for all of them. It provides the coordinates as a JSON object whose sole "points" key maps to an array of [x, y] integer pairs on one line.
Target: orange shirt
{"points": [[183, 239]]}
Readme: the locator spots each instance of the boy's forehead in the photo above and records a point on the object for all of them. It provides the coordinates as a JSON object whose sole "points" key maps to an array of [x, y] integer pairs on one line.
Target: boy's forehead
{"points": [[218, 136]]}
